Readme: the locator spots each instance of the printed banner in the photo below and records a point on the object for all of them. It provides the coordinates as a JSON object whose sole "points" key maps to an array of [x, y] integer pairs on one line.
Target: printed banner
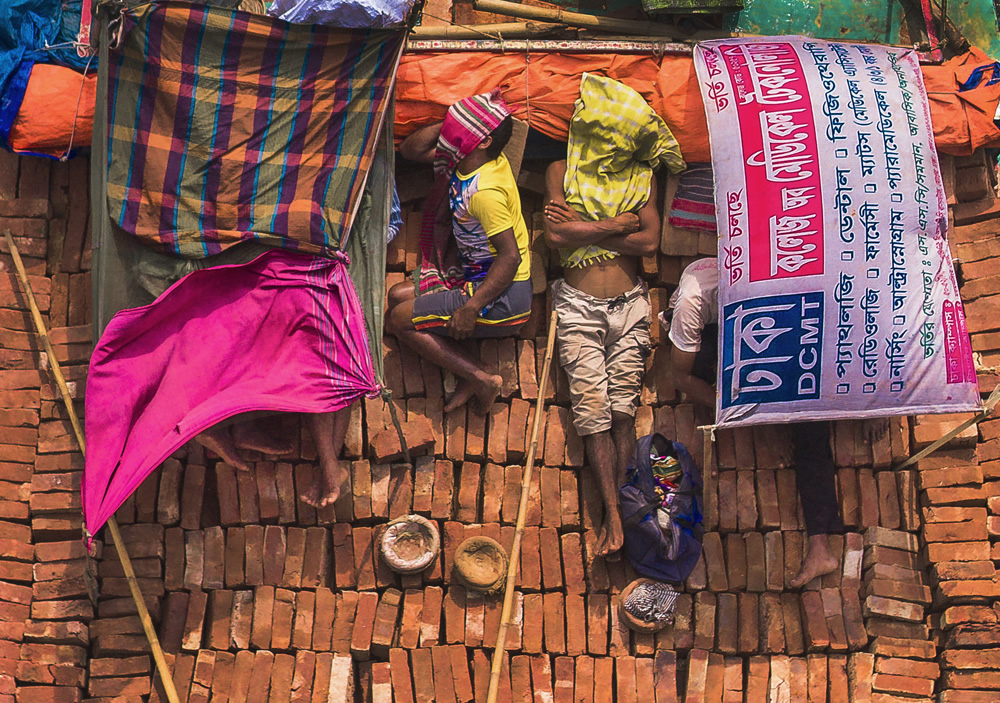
{"points": [[837, 295]]}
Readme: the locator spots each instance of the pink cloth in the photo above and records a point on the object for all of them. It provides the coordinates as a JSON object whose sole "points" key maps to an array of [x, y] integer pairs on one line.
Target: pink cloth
{"points": [[284, 332]]}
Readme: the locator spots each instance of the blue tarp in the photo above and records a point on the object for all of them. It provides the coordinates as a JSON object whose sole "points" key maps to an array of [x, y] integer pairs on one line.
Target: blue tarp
{"points": [[27, 27]]}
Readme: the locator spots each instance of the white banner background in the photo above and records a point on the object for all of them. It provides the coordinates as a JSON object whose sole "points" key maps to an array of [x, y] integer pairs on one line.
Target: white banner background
{"points": [[837, 294]]}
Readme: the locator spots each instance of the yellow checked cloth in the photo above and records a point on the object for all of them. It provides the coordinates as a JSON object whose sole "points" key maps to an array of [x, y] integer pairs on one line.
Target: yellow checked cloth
{"points": [[616, 142]]}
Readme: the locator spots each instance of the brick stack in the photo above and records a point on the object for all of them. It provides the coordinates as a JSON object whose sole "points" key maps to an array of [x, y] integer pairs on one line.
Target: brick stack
{"points": [[958, 483], [48, 581], [896, 595], [258, 597]]}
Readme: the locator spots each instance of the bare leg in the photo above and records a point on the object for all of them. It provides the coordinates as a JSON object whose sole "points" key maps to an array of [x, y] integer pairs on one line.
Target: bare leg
{"points": [[219, 440], [447, 354], [623, 436], [601, 456], [329, 431], [818, 561]]}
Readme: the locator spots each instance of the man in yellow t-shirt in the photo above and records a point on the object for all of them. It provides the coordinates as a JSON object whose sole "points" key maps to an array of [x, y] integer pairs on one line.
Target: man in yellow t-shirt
{"points": [[493, 247]]}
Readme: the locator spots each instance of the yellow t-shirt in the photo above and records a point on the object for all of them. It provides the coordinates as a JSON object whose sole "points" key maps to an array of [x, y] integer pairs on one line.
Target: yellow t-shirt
{"points": [[485, 203]]}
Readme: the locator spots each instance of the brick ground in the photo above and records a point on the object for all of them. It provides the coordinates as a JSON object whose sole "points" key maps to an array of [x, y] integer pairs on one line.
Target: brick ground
{"points": [[258, 597]]}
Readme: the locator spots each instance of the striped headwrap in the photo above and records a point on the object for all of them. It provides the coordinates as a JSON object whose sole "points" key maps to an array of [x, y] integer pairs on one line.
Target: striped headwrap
{"points": [[467, 124]]}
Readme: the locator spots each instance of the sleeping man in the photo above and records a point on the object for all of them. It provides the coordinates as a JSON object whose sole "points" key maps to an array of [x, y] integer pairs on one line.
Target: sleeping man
{"points": [[487, 291]]}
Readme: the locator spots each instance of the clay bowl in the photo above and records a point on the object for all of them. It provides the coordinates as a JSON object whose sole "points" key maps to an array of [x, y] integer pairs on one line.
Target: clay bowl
{"points": [[409, 544]]}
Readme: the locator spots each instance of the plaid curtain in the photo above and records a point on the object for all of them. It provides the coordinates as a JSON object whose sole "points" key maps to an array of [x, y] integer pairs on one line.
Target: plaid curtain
{"points": [[225, 126]]}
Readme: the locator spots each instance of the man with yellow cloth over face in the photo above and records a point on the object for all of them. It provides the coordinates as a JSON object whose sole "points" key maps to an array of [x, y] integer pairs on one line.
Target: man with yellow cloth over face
{"points": [[601, 213]]}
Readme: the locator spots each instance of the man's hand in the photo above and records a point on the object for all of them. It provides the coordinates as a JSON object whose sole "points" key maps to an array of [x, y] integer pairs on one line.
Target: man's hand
{"points": [[558, 213], [629, 222], [463, 321]]}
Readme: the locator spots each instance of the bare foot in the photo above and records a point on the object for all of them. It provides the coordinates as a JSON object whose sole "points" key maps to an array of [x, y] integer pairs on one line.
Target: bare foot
{"points": [[487, 394], [250, 435], [326, 485], [482, 395], [463, 393], [221, 442], [818, 561], [610, 538]]}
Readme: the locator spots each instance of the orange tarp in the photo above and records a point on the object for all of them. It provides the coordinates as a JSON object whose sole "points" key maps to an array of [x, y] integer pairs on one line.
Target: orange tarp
{"points": [[963, 122], [428, 83], [52, 100], [549, 84], [546, 83]]}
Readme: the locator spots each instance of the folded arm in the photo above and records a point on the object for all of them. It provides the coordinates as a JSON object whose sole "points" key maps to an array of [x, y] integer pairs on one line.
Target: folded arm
{"points": [[629, 233]]}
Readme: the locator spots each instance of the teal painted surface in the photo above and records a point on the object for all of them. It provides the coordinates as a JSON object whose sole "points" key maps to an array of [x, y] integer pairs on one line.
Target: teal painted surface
{"points": [[978, 21], [876, 21]]}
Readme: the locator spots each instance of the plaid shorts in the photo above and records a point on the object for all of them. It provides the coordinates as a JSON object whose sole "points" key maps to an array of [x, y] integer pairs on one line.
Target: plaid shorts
{"points": [[501, 318]]}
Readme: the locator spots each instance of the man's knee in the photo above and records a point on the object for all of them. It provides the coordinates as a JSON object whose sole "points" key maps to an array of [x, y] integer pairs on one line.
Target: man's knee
{"points": [[400, 293], [622, 421], [399, 318]]}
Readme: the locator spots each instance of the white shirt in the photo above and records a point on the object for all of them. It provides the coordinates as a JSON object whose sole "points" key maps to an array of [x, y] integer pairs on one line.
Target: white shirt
{"points": [[695, 304]]}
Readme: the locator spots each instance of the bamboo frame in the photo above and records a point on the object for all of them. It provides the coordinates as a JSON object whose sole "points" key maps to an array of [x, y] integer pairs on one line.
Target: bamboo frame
{"points": [[508, 30], [522, 511], [574, 19], [166, 677]]}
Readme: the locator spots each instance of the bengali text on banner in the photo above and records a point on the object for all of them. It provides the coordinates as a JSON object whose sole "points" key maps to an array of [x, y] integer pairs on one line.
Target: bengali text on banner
{"points": [[837, 294]]}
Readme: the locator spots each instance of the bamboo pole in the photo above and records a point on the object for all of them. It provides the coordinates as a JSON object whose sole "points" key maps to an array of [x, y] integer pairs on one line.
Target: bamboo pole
{"points": [[506, 30], [522, 511], [574, 19], [147, 623]]}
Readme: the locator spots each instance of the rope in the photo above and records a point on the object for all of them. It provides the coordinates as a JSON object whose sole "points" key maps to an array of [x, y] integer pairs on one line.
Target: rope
{"points": [[527, 84], [76, 116], [387, 398]]}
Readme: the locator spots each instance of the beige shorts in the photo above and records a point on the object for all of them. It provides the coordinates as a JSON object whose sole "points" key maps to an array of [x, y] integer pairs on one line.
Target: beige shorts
{"points": [[603, 345]]}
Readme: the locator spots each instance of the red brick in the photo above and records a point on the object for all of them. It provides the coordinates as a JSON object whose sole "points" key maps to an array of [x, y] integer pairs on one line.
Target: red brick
{"points": [[727, 622], [384, 628], [475, 618], [715, 562], [767, 499], [771, 623], [530, 577], [468, 492], [551, 496], [430, 616], [444, 480], [554, 612], [704, 620], [343, 623], [253, 536], [417, 432], [400, 491], [194, 623], [364, 623], [748, 635]]}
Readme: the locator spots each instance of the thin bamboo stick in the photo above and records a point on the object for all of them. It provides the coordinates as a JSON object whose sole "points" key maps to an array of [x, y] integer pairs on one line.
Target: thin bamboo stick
{"points": [[147, 623], [522, 511], [988, 406], [574, 19], [507, 30]]}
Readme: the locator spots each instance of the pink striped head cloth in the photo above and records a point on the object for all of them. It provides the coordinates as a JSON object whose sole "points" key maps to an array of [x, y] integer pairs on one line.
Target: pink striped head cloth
{"points": [[467, 124]]}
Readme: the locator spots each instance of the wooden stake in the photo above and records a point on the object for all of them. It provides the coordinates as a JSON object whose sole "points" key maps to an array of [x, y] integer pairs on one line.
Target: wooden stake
{"points": [[166, 677], [522, 511]]}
